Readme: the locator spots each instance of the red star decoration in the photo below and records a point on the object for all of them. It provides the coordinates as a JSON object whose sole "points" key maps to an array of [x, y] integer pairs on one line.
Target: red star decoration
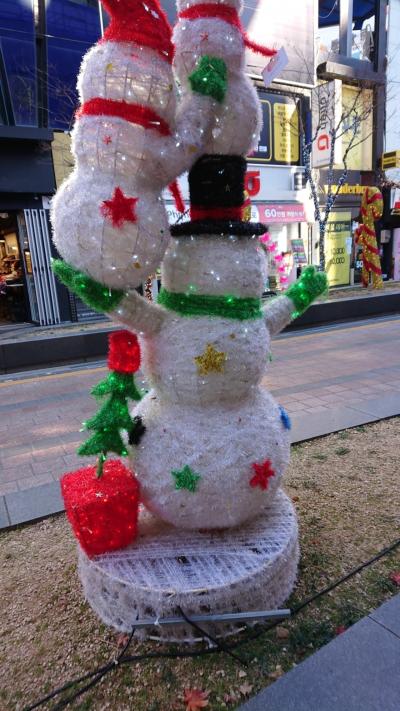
{"points": [[263, 473], [120, 209], [107, 140], [204, 36]]}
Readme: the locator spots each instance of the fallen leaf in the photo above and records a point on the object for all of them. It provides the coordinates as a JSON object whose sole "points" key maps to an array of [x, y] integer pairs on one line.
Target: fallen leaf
{"points": [[245, 689], [277, 673], [195, 699], [340, 630], [282, 632], [242, 674], [122, 640], [395, 578]]}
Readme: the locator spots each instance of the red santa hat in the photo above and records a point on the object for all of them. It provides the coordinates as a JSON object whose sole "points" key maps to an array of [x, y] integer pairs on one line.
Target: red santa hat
{"points": [[142, 22]]}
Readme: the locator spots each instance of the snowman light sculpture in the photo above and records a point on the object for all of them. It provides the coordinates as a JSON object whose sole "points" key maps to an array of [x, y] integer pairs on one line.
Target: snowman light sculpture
{"points": [[213, 443]]}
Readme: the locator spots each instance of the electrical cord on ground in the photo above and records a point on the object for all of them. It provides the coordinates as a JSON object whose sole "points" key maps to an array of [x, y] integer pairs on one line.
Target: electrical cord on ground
{"points": [[96, 675]]}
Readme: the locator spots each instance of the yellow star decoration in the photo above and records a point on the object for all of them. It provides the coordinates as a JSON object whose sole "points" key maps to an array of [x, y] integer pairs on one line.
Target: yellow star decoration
{"points": [[212, 361]]}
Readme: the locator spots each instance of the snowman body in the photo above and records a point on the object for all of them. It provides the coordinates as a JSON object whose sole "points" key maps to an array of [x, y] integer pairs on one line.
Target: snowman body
{"points": [[210, 420]]}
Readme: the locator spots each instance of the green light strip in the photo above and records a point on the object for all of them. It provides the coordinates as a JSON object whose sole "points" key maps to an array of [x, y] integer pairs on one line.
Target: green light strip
{"points": [[206, 305]]}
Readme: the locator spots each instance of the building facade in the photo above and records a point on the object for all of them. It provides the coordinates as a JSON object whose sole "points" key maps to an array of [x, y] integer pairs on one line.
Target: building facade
{"points": [[41, 46]]}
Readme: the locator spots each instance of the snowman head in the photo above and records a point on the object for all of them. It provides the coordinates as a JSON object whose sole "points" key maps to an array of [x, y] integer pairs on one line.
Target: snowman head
{"points": [[215, 265]]}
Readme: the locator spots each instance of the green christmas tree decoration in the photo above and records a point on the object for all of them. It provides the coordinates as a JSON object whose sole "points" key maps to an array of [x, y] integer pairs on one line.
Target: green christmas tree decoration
{"points": [[118, 387], [122, 383]]}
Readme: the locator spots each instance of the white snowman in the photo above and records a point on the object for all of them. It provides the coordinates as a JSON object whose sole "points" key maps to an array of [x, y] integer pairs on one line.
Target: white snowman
{"points": [[130, 140], [209, 444]]}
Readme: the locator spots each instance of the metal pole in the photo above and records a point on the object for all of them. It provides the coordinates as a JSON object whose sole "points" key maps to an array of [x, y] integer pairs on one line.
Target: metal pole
{"points": [[346, 28], [101, 18], [226, 617]]}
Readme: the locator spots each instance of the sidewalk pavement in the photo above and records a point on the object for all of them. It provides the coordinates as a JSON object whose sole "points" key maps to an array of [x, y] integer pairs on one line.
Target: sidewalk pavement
{"points": [[327, 379], [358, 670]]}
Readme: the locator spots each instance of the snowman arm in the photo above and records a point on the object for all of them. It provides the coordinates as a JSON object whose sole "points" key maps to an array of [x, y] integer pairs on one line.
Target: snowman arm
{"points": [[277, 314], [296, 300], [127, 308], [138, 314]]}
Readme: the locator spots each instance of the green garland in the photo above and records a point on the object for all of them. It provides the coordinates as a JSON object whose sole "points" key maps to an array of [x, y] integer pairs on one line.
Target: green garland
{"points": [[96, 295], [210, 78], [306, 289], [204, 305]]}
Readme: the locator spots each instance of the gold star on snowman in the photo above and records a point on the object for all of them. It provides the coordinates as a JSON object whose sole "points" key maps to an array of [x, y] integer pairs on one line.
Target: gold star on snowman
{"points": [[212, 361]]}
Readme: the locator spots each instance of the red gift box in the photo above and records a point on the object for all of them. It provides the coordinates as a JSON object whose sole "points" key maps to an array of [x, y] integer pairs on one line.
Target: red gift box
{"points": [[103, 512]]}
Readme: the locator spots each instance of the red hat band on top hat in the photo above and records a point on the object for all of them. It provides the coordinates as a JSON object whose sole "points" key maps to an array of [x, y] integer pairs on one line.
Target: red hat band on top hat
{"points": [[139, 21]]}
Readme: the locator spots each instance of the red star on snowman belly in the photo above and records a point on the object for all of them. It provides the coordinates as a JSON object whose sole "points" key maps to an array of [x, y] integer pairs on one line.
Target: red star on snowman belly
{"points": [[120, 209], [263, 473]]}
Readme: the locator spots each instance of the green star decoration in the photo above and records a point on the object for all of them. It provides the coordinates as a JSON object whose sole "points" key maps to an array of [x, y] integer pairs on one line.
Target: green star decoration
{"points": [[186, 478]]}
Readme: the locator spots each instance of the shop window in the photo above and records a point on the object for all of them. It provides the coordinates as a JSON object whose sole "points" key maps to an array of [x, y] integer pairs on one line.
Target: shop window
{"points": [[12, 291], [73, 26], [18, 98]]}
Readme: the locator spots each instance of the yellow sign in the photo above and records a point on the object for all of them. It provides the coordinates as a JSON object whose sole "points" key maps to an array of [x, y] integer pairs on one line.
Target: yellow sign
{"points": [[346, 189], [391, 160], [357, 124], [286, 133], [338, 243]]}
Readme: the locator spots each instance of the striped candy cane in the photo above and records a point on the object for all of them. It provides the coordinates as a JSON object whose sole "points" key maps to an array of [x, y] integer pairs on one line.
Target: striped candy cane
{"points": [[371, 210]]}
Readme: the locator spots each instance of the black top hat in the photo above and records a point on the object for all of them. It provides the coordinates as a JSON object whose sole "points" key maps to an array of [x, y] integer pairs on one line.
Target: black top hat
{"points": [[216, 186]]}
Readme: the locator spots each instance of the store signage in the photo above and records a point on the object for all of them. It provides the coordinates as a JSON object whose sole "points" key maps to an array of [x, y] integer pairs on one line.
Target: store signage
{"points": [[357, 124], [391, 160], [279, 142], [275, 67], [326, 104], [338, 248], [282, 213], [345, 189], [396, 254], [299, 253]]}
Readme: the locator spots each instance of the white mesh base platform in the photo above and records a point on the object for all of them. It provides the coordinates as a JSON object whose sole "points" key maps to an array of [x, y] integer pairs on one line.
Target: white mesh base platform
{"points": [[253, 567]]}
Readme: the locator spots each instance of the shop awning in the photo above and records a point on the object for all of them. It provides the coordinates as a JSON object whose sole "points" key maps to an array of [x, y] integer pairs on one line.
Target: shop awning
{"points": [[272, 213], [329, 10]]}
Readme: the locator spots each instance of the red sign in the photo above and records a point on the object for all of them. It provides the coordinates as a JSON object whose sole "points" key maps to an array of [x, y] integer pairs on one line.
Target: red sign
{"points": [[252, 182], [291, 212]]}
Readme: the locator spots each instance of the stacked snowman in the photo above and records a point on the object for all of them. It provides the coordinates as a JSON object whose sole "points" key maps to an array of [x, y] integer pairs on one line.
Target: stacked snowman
{"points": [[212, 444]]}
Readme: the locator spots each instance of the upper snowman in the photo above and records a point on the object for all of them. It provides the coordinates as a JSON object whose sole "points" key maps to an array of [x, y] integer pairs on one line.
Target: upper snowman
{"points": [[214, 29], [130, 140]]}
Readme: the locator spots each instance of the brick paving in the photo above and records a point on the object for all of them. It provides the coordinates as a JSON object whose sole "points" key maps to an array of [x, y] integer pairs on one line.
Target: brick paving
{"points": [[318, 373]]}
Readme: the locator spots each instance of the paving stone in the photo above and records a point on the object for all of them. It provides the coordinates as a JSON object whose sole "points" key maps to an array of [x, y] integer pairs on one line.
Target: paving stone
{"points": [[30, 482], [388, 615], [24, 506], [357, 671], [320, 423], [4, 520], [387, 405], [8, 487]]}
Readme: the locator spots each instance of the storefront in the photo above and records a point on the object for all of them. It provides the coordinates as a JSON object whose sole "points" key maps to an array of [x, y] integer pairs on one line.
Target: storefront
{"points": [[281, 203], [28, 289], [342, 254]]}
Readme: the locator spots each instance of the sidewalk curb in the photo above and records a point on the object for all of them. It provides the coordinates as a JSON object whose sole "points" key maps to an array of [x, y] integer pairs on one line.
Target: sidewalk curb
{"points": [[356, 670], [30, 505]]}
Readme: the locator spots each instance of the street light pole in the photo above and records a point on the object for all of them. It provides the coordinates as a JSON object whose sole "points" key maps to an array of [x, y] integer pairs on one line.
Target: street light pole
{"points": [[101, 17]]}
